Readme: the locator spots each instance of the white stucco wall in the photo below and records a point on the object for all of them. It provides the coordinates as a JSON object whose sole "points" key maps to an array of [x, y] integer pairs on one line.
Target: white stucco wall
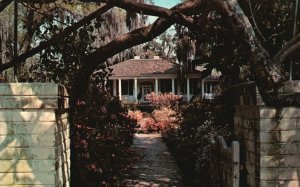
{"points": [[34, 135]]}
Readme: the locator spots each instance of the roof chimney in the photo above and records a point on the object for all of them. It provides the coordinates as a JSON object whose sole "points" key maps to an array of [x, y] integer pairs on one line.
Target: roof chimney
{"points": [[156, 57], [137, 57]]}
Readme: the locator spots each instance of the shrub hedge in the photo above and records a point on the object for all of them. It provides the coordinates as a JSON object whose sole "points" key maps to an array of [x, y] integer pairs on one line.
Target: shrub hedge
{"points": [[101, 136], [188, 140]]}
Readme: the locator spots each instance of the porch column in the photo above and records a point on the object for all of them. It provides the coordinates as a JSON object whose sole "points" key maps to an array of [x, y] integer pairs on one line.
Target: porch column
{"points": [[135, 89], [178, 88], [173, 86], [188, 89], [202, 88], [114, 87], [156, 86], [120, 89]]}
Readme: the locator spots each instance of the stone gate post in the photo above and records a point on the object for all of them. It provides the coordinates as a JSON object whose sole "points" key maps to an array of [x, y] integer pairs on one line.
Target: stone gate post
{"points": [[269, 138], [34, 135]]}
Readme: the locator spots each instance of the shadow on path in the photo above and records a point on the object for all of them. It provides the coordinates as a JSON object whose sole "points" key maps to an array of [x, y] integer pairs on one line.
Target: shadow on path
{"points": [[155, 166]]}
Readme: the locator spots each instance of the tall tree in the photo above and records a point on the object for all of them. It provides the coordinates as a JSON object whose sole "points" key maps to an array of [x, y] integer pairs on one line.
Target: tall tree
{"points": [[163, 46], [265, 68], [43, 20]]}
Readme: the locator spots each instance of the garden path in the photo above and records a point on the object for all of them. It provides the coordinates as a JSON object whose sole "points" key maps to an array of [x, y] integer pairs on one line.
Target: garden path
{"points": [[155, 165]]}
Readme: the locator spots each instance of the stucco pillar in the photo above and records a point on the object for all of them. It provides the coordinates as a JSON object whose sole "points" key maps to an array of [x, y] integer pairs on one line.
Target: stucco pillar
{"points": [[156, 86], [135, 89], [34, 135], [269, 137], [173, 86], [188, 89], [120, 89], [114, 87]]}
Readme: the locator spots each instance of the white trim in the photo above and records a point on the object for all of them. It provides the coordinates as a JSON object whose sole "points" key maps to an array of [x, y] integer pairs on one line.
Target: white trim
{"points": [[120, 89]]}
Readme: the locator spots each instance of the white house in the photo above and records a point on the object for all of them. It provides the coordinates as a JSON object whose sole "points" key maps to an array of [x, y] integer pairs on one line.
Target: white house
{"points": [[132, 79]]}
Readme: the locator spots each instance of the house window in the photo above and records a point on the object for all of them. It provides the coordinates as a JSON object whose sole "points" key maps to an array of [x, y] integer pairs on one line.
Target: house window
{"points": [[195, 86], [165, 85], [127, 87], [183, 87], [145, 88], [209, 87]]}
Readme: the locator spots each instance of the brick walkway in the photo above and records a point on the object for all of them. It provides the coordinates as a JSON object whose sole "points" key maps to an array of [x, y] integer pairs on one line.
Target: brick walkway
{"points": [[155, 167]]}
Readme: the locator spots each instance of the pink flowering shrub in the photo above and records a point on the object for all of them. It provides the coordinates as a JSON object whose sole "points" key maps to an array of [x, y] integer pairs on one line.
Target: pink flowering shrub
{"points": [[152, 126], [158, 121], [164, 114], [136, 115], [163, 100], [149, 126]]}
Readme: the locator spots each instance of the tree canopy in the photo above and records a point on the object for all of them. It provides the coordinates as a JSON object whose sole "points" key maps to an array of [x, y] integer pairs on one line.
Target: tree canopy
{"points": [[237, 26]]}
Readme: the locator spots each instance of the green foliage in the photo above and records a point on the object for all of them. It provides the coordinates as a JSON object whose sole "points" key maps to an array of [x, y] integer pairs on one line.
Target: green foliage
{"points": [[214, 46], [62, 59], [272, 20], [189, 140], [67, 56], [274, 23], [163, 46]]}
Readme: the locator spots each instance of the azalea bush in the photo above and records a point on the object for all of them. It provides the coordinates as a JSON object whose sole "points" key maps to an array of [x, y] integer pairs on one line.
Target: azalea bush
{"points": [[163, 100], [101, 136], [149, 125], [189, 139], [164, 113], [136, 115]]}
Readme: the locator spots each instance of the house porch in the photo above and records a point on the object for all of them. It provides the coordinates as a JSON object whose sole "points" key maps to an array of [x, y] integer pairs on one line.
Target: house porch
{"points": [[135, 89]]}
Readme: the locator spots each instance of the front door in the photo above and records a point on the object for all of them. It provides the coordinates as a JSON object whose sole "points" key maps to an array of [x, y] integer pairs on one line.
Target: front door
{"points": [[145, 88]]}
